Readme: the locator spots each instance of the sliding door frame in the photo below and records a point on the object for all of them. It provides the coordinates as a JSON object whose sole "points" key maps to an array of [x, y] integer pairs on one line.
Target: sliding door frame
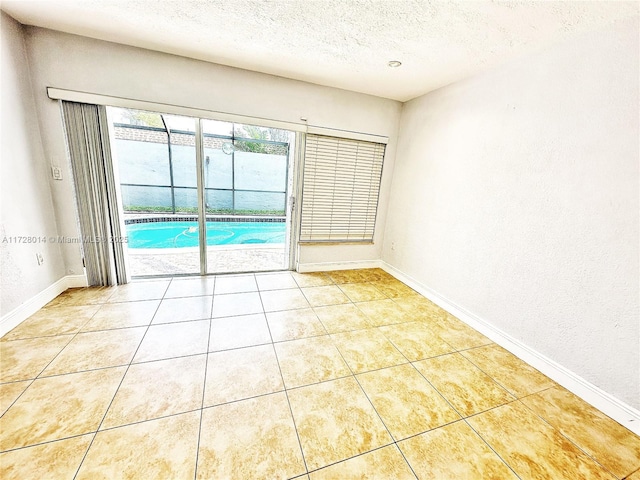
{"points": [[202, 208]]}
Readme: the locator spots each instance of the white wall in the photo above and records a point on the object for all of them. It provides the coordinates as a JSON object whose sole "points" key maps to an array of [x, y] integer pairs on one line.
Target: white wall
{"points": [[516, 196], [77, 63], [26, 205]]}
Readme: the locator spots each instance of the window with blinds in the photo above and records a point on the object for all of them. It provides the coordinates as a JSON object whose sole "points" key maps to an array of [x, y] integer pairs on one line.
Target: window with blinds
{"points": [[340, 189]]}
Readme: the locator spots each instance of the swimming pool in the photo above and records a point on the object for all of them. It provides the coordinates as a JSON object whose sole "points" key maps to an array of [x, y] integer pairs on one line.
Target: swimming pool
{"points": [[185, 234]]}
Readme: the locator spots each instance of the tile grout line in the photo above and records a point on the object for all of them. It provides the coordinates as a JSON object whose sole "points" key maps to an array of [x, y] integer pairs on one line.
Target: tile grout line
{"points": [[204, 385], [95, 434], [273, 343], [464, 419], [393, 440], [39, 375], [573, 442], [519, 399], [284, 385]]}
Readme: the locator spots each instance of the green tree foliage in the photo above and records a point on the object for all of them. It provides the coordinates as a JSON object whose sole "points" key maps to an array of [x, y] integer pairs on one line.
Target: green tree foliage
{"points": [[259, 133], [141, 117]]}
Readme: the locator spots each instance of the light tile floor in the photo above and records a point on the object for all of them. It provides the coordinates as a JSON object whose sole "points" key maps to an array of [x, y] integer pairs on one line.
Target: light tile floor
{"points": [[338, 375]]}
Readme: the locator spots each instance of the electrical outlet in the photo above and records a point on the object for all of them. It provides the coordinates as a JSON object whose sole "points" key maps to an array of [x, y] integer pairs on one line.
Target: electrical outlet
{"points": [[393, 245], [39, 258], [56, 172]]}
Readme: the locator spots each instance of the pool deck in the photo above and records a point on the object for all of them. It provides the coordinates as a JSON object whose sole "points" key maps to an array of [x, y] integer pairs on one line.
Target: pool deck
{"points": [[220, 259]]}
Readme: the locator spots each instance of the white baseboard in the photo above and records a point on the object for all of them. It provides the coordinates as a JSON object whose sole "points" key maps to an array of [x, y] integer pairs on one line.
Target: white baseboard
{"points": [[603, 401], [328, 266], [16, 316], [76, 281]]}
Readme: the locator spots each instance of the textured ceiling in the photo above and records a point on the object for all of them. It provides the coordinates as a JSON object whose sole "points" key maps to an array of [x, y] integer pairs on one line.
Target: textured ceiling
{"points": [[340, 43]]}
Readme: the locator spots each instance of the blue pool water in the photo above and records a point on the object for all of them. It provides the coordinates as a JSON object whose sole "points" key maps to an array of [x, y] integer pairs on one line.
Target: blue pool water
{"points": [[185, 234]]}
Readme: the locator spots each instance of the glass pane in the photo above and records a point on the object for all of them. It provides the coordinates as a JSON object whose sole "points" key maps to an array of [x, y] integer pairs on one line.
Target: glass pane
{"points": [[215, 127], [180, 124], [260, 133], [256, 171], [184, 167], [129, 116], [219, 201], [146, 199], [217, 169], [186, 200], [141, 162], [259, 203], [161, 242]]}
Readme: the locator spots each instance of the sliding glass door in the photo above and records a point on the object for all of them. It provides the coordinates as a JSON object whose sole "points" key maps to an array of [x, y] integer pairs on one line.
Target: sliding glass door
{"points": [[201, 196], [246, 172], [156, 160]]}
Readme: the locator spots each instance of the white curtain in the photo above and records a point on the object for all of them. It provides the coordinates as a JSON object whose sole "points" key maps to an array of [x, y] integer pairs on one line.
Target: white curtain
{"points": [[87, 132]]}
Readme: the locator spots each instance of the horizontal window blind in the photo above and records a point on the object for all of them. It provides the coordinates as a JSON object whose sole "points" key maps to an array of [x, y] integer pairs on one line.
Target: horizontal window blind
{"points": [[340, 189]]}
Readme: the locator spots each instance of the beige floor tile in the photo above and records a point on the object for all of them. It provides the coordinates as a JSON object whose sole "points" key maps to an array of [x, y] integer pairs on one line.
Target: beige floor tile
{"points": [[231, 304], [122, 315], [294, 324], [335, 421], [162, 448], [183, 309], [361, 292], [107, 348], [326, 295], [25, 359], [383, 463], [140, 290], [634, 476], [253, 438], [367, 349], [157, 389], [290, 299], [275, 281], [420, 308], [9, 392], [458, 334], [235, 284], [83, 296], [314, 279], [516, 376], [612, 445], [406, 402], [394, 288], [463, 384], [348, 276], [310, 360], [384, 312], [416, 340], [241, 373], [58, 320], [342, 318], [533, 448], [151, 429], [174, 340], [376, 274], [54, 460], [237, 332], [453, 452], [59, 407], [190, 287]]}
